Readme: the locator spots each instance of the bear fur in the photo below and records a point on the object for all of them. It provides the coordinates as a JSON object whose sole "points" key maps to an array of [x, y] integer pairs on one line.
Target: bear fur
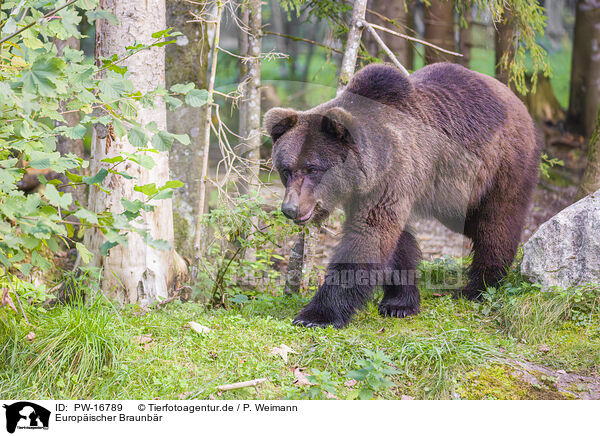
{"points": [[445, 142]]}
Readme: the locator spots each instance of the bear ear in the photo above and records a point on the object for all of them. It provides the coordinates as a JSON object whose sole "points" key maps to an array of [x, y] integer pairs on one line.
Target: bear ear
{"points": [[278, 120], [338, 123]]}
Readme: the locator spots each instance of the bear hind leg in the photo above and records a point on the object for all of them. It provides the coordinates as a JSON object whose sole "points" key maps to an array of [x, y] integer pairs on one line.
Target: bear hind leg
{"points": [[401, 296], [495, 231]]}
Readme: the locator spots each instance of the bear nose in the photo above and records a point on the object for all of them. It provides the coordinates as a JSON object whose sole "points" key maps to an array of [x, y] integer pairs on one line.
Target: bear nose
{"points": [[290, 210]]}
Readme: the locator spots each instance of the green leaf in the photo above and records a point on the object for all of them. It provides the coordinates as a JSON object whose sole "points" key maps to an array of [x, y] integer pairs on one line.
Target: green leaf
{"points": [[143, 160], [167, 193], [119, 128], [107, 246], [39, 261], [111, 160], [172, 184], [86, 255], [114, 87], [149, 189], [183, 139], [100, 14], [172, 102], [137, 137], [197, 97], [86, 215], [97, 178], [162, 33], [76, 132], [162, 141], [62, 200], [40, 79], [182, 88]]}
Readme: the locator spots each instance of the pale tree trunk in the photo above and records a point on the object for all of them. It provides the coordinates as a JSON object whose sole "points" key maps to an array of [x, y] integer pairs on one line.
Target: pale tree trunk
{"points": [[352, 44], [505, 46], [187, 62], [585, 72], [135, 273], [250, 148], [439, 30], [205, 128], [399, 12], [555, 28], [591, 177], [244, 17]]}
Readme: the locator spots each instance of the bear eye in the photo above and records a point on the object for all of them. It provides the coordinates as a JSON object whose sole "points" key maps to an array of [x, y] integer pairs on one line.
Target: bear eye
{"points": [[311, 170], [285, 174]]}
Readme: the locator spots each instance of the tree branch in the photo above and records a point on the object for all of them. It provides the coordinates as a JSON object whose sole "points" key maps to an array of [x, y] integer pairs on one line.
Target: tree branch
{"points": [[23, 29], [385, 48], [410, 38]]}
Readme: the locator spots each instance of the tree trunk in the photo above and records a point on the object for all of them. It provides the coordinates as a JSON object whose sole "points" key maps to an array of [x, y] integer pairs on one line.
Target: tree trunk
{"points": [[205, 128], [584, 70], [66, 145], [590, 182], [352, 44], [135, 273], [187, 62], [399, 13], [505, 46], [466, 40], [439, 30], [555, 28], [250, 149]]}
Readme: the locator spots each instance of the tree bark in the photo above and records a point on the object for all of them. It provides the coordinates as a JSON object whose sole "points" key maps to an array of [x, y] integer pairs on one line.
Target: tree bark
{"points": [[352, 44], [251, 146], [439, 30], [505, 46], [135, 273], [66, 145], [466, 40], [187, 62], [585, 73], [205, 128], [555, 28], [590, 182]]}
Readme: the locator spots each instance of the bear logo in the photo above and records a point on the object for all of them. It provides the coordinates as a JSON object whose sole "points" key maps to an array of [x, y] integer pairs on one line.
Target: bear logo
{"points": [[24, 414]]}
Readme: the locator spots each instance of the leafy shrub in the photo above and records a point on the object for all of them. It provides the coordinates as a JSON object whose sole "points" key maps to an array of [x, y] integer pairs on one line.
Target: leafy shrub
{"points": [[243, 251], [37, 89], [373, 375]]}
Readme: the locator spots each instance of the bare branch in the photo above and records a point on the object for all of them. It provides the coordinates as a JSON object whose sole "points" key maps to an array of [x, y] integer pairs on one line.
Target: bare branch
{"points": [[410, 38], [385, 48]]}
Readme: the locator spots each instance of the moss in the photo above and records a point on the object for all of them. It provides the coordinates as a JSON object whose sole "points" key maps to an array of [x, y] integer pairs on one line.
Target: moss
{"points": [[183, 233], [502, 382]]}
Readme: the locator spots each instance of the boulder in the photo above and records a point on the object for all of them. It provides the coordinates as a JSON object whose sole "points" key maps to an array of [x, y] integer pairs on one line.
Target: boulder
{"points": [[565, 250]]}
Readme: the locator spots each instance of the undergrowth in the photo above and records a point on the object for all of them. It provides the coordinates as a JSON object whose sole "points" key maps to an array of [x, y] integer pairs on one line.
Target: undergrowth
{"points": [[90, 349]]}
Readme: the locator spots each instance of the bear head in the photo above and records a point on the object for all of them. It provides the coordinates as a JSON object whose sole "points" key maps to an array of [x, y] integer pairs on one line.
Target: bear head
{"points": [[317, 157]]}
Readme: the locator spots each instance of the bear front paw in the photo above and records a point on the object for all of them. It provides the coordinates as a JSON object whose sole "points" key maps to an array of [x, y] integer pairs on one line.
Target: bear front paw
{"points": [[397, 308], [318, 318]]}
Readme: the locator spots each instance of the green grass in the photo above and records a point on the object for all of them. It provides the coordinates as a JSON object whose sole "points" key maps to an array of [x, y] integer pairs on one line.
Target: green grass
{"points": [[93, 350]]}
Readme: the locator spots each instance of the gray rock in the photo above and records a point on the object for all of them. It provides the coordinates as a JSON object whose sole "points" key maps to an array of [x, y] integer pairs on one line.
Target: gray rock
{"points": [[565, 250]]}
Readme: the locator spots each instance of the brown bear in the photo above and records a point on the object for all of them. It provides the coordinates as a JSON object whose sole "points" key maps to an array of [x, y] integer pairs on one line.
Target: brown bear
{"points": [[445, 142]]}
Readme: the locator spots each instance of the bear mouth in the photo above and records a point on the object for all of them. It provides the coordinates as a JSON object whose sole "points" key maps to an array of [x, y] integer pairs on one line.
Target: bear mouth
{"points": [[305, 218]]}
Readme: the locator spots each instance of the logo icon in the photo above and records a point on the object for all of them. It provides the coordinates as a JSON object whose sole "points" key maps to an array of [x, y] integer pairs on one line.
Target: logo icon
{"points": [[26, 415]]}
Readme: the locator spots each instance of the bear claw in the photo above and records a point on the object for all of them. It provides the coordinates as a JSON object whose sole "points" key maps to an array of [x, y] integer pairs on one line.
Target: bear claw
{"points": [[311, 320], [397, 310]]}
